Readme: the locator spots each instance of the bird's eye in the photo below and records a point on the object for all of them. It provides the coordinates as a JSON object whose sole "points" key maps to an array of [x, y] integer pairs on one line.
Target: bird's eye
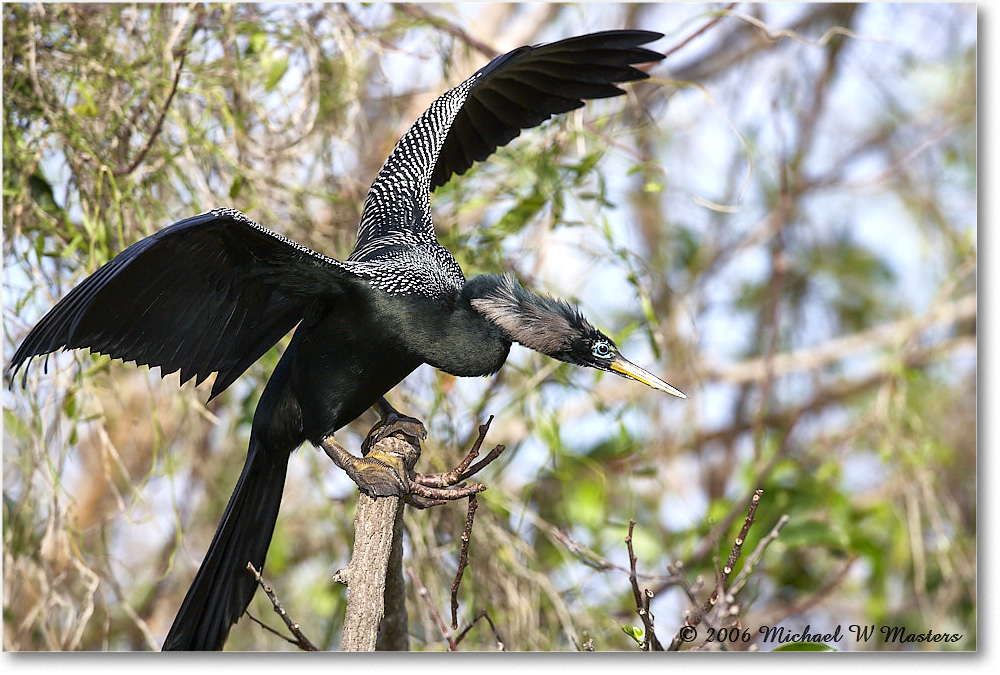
{"points": [[602, 349]]}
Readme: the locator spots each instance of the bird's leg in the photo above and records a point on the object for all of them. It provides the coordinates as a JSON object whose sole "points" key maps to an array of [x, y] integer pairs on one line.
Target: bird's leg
{"points": [[379, 474], [391, 422]]}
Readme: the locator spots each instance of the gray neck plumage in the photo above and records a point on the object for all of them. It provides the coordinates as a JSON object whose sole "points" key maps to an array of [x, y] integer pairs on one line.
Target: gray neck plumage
{"points": [[542, 323]]}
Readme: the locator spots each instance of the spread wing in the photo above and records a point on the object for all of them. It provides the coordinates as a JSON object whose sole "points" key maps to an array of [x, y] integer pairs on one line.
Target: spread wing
{"points": [[207, 294], [515, 91]]}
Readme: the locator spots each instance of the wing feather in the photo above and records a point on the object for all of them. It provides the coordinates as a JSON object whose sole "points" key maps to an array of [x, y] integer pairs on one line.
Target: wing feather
{"points": [[207, 294], [515, 91], [530, 84]]}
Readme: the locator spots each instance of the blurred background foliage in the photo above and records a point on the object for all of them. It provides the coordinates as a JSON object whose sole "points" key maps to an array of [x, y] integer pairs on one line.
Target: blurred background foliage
{"points": [[781, 222]]}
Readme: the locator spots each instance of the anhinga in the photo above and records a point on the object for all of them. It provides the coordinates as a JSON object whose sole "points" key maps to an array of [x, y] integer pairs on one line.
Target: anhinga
{"points": [[214, 292]]}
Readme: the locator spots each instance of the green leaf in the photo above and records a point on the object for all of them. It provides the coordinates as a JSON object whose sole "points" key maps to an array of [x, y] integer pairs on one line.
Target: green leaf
{"points": [[69, 405], [279, 66], [634, 632], [41, 192], [258, 43], [88, 108], [805, 647], [516, 218], [586, 165]]}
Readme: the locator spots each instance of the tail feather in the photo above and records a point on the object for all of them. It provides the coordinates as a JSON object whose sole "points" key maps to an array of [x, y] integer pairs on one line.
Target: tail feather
{"points": [[223, 587]]}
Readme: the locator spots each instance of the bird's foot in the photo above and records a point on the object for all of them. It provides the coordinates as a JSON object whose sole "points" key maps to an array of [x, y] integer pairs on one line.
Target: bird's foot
{"points": [[378, 474], [392, 422], [424, 496], [439, 488], [386, 469]]}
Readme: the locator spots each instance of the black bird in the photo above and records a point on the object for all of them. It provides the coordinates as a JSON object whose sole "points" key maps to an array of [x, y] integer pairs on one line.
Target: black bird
{"points": [[213, 292]]}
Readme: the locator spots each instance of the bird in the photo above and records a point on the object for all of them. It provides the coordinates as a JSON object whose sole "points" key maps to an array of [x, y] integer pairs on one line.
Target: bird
{"points": [[213, 292]]}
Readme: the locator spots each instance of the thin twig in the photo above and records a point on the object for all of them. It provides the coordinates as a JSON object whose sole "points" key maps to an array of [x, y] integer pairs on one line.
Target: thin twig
{"points": [[463, 559], [422, 592], [478, 466], [695, 618], [453, 641], [435, 489], [642, 599], [158, 127], [301, 641], [462, 470], [418, 12], [721, 14], [483, 614], [804, 605], [440, 495], [757, 554], [181, 52], [590, 558], [734, 554]]}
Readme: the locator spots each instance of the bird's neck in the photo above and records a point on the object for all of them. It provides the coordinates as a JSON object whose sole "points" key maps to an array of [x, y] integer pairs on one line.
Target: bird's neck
{"points": [[449, 334], [472, 336], [541, 323]]}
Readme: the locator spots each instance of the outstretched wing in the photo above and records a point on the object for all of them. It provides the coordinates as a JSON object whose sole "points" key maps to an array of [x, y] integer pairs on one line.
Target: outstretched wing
{"points": [[207, 294], [515, 91]]}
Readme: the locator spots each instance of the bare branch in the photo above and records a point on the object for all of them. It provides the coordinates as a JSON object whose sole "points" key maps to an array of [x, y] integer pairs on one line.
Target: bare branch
{"points": [[422, 592], [158, 127], [483, 614], [642, 599], [300, 641], [463, 559], [419, 12], [695, 618], [719, 15], [838, 349]]}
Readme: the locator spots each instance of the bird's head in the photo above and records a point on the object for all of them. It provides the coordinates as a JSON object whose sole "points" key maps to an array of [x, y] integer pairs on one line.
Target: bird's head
{"points": [[555, 328]]}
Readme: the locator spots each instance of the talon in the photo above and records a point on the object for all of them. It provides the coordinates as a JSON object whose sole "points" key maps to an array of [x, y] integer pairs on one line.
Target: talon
{"points": [[392, 422], [382, 477], [377, 475], [442, 495]]}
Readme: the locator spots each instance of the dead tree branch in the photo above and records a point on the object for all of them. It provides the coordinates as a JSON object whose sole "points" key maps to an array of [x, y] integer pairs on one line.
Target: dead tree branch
{"points": [[365, 576], [642, 599], [695, 618], [376, 616], [463, 559], [300, 641]]}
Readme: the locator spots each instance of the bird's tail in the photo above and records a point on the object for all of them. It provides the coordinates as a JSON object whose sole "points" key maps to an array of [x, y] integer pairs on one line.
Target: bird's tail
{"points": [[223, 587]]}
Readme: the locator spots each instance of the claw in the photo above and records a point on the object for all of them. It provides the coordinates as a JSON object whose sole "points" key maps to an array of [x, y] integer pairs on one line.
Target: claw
{"points": [[377, 475], [392, 422]]}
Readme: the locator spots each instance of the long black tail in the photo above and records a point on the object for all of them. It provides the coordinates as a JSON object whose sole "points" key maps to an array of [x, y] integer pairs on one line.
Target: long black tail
{"points": [[223, 587]]}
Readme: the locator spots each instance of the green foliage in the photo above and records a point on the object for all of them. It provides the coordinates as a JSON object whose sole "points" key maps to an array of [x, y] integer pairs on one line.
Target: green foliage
{"points": [[805, 647]]}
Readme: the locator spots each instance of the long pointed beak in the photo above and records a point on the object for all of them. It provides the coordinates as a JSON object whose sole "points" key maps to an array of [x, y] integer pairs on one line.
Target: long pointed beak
{"points": [[623, 366]]}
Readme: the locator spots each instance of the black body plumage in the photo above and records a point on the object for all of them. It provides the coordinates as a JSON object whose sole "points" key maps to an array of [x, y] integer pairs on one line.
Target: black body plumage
{"points": [[213, 292]]}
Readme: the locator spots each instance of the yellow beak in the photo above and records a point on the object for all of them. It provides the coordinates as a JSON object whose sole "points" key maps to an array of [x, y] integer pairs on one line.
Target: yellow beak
{"points": [[625, 367]]}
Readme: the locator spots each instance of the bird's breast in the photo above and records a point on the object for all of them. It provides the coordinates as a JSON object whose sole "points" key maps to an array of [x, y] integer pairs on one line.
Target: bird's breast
{"points": [[343, 363], [448, 334]]}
